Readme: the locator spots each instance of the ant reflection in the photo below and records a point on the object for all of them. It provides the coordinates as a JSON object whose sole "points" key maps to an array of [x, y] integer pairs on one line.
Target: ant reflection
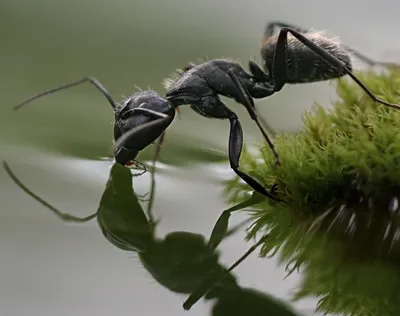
{"points": [[180, 262]]}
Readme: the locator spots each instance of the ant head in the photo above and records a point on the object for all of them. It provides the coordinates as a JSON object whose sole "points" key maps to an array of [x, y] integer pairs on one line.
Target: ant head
{"points": [[137, 100], [139, 121]]}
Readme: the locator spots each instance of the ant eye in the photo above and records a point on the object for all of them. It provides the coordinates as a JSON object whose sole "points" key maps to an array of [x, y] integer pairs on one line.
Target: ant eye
{"points": [[125, 113]]}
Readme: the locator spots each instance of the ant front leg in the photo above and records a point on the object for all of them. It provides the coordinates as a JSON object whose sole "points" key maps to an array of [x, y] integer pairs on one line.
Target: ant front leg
{"points": [[247, 101], [280, 63], [235, 150]]}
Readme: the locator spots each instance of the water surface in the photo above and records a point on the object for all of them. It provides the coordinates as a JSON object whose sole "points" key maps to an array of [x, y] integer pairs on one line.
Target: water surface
{"points": [[56, 144]]}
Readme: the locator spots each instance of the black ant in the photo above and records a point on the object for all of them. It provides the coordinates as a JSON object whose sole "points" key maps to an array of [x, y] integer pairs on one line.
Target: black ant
{"points": [[200, 86], [144, 116], [299, 55], [137, 110], [296, 61]]}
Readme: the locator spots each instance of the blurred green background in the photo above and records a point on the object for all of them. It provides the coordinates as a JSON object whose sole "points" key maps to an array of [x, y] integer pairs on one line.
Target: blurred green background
{"points": [[55, 144]]}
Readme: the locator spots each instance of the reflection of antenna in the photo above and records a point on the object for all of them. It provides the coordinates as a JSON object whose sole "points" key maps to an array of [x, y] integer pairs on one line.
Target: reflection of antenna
{"points": [[64, 216]]}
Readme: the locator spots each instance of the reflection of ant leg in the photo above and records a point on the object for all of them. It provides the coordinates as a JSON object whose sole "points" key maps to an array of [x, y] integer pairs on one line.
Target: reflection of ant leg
{"points": [[64, 216], [215, 278], [142, 197], [237, 227], [156, 158], [153, 180]]}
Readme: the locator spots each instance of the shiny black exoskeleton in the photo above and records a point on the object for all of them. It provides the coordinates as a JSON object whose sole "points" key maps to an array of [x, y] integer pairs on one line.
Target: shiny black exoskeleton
{"points": [[299, 55], [200, 86], [139, 121], [144, 116]]}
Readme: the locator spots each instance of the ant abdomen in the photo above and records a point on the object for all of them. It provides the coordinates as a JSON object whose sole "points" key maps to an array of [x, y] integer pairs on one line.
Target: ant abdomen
{"points": [[304, 65]]}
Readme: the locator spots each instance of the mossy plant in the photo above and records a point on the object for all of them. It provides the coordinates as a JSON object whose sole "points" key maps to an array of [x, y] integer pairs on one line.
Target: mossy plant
{"points": [[340, 178]]}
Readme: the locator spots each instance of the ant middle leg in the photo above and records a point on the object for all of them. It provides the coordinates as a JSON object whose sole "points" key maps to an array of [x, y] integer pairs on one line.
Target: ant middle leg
{"points": [[235, 150], [248, 102]]}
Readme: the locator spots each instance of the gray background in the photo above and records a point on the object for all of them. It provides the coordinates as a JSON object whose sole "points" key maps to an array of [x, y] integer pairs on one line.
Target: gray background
{"points": [[50, 268]]}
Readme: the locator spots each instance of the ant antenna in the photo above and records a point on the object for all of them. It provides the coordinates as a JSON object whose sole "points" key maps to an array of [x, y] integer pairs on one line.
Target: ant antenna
{"points": [[91, 80]]}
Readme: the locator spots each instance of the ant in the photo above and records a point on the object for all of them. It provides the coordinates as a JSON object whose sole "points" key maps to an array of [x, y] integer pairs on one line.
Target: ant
{"points": [[298, 55], [145, 115], [285, 61]]}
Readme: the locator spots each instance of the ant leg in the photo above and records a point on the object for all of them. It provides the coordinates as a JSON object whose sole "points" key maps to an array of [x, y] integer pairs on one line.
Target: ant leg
{"points": [[370, 62], [235, 150], [158, 148], [248, 102], [91, 80], [234, 229], [153, 179], [216, 278], [270, 28], [178, 112], [64, 216], [280, 61], [220, 230]]}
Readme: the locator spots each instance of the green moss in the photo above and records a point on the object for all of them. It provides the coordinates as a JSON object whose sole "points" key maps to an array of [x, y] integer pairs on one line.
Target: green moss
{"points": [[340, 177]]}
